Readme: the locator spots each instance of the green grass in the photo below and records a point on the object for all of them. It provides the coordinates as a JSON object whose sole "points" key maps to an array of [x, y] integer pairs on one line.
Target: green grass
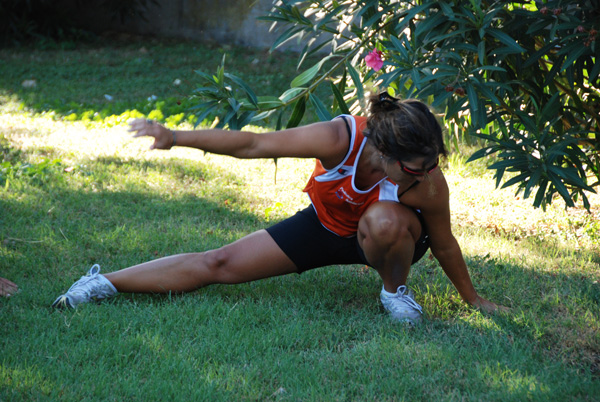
{"points": [[75, 193], [92, 82]]}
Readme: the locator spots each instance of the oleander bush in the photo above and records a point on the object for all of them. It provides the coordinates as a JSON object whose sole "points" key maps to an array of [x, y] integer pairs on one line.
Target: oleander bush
{"points": [[518, 79]]}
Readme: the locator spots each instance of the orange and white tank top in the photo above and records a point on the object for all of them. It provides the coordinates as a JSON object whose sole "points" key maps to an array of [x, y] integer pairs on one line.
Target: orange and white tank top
{"points": [[333, 193]]}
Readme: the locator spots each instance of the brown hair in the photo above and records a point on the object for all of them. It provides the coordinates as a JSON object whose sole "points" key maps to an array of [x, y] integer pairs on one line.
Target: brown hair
{"points": [[403, 129]]}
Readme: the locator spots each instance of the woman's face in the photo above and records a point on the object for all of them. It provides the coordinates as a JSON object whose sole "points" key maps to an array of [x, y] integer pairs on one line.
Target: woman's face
{"points": [[417, 169]]}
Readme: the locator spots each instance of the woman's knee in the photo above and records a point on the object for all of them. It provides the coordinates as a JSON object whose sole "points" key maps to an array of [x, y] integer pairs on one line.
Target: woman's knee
{"points": [[214, 263], [388, 222]]}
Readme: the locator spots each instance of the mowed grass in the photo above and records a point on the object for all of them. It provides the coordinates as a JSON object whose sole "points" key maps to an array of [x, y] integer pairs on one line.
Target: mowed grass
{"points": [[92, 194]]}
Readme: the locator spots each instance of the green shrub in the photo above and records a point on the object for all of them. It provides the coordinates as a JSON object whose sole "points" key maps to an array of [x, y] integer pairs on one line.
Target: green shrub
{"points": [[522, 77]]}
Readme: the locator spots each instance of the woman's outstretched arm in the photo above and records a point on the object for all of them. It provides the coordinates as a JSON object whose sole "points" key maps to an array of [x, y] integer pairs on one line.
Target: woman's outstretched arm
{"points": [[324, 140]]}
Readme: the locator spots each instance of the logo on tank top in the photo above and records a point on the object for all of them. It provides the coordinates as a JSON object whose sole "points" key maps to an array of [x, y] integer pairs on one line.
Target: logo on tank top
{"points": [[344, 196]]}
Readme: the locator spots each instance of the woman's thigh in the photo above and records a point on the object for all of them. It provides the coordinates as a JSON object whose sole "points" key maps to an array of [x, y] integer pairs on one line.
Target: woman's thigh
{"points": [[255, 256], [305, 241]]}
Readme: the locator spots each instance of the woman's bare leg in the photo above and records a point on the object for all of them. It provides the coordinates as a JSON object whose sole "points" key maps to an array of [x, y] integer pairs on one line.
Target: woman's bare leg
{"points": [[387, 233], [253, 257]]}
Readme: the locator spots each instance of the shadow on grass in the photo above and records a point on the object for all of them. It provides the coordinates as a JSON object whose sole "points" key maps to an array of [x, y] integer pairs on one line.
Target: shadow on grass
{"points": [[556, 311], [326, 314]]}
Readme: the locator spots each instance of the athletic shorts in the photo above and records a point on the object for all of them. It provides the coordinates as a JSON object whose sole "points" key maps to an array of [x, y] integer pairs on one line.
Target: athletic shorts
{"points": [[310, 245]]}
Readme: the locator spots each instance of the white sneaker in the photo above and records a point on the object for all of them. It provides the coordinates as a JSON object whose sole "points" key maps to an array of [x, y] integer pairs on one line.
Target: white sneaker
{"points": [[92, 286], [402, 306]]}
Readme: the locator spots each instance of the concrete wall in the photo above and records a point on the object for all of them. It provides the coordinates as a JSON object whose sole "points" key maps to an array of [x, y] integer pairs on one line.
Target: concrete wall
{"points": [[227, 21]]}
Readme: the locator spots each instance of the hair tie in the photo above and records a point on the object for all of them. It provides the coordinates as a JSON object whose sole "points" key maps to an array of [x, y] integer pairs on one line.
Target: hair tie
{"points": [[387, 102]]}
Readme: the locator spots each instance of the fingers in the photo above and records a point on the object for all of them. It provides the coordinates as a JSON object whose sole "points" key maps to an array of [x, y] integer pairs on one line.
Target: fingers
{"points": [[149, 128], [142, 126], [489, 307], [503, 309], [7, 288], [137, 124]]}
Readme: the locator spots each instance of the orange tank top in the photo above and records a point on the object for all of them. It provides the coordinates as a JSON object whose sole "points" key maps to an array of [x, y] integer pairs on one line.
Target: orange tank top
{"points": [[333, 193]]}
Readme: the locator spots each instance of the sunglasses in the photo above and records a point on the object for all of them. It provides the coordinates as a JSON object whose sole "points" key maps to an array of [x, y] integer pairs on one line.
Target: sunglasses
{"points": [[419, 173]]}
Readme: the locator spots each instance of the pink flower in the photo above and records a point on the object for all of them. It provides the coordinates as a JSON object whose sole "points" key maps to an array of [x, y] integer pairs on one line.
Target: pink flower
{"points": [[374, 60]]}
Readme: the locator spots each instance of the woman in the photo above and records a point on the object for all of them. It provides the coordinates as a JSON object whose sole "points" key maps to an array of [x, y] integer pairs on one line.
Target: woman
{"points": [[378, 198]]}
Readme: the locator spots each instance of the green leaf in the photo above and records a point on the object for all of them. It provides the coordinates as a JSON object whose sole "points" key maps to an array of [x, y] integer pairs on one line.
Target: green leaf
{"points": [[489, 68], [439, 99], [286, 36], [455, 107], [414, 11], [378, 15], [202, 74], [425, 26], [204, 114], [510, 164], [482, 153], [595, 71], [483, 89], [206, 91], [560, 187], [356, 79], [297, 113], [279, 121], [473, 99], [339, 99], [204, 105], [446, 9], [536, 56], [309, 74], [506, 39], [245, 118], [551, 108], [321, 110], [269, 102], [570, 176], [245, 87], [539, 196], [263, 115], [231, 115], [517, 179], [573, 56], [291, 94], [481, 52], [498, 175], [464, 46], [399, 46]]}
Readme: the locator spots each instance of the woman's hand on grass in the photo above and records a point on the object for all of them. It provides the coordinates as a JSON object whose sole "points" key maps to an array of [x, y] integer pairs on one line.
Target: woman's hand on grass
{"points": [[7, 288], [487, 306], [163, 138]]}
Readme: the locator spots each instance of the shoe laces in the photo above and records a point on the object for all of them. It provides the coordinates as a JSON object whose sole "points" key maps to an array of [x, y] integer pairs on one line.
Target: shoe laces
{"points": [[83, 285], [407, 298]]}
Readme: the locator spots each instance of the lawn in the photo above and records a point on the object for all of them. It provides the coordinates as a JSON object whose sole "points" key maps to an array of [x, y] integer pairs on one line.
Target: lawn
{"points": [[76, 189]]}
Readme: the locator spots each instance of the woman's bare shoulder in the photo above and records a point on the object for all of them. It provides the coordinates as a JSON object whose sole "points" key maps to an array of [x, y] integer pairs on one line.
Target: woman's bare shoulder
{"points": [[430, 194]]}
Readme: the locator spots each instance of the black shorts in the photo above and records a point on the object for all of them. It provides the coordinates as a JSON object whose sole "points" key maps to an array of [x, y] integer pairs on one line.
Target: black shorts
{"points": [[309, 245]]}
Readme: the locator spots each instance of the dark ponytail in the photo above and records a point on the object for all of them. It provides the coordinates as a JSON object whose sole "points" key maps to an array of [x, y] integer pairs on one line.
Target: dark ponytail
{"points": [[403, 129]]}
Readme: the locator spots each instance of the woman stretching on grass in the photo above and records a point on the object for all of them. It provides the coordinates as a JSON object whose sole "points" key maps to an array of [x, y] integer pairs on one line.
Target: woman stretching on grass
{"points": [[378, 198]]}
